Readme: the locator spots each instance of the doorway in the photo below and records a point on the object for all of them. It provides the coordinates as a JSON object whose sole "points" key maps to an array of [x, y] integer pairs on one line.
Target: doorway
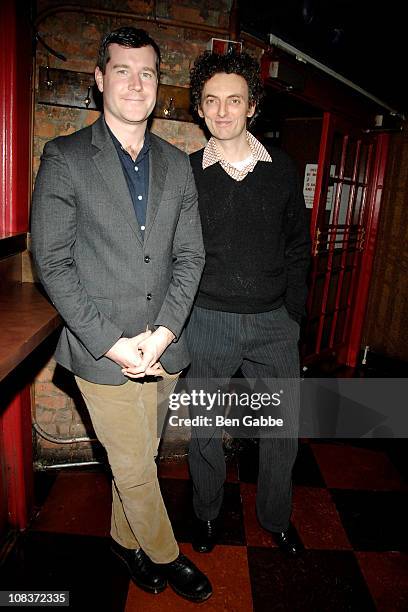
{"points": [[342, 167]]}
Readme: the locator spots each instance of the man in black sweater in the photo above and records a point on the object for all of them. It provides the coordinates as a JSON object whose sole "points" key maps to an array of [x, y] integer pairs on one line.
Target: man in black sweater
{"points": [[253, 290]]}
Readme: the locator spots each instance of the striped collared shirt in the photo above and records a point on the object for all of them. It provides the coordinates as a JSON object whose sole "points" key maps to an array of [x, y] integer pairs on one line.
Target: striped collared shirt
{"points": [[258, 153]]}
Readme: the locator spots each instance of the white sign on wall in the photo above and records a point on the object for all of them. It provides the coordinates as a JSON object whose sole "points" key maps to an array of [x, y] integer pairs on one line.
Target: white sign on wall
{"points": [[309, 186]]}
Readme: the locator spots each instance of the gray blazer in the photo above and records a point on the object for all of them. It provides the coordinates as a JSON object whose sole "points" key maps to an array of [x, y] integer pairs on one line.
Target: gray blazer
{"points": [[105, 281]]}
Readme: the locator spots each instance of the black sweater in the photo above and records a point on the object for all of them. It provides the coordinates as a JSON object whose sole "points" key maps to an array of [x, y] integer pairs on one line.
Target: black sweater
{"points": [[256, 237]]}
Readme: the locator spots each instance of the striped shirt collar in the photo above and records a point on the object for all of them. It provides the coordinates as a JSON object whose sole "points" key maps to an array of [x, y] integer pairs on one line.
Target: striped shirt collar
{"points": [[212, 156]]}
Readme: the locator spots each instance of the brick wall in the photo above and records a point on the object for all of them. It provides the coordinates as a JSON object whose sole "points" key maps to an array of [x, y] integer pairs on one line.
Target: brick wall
{"points": [[59, 412]]}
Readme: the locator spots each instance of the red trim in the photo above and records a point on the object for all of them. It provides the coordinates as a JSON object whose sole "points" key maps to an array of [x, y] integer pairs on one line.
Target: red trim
{"points": [[374, 205], [15, 187], [355, 286], [346, 237], [325, 144], [17, 457], [347, 346], [15, 118]]}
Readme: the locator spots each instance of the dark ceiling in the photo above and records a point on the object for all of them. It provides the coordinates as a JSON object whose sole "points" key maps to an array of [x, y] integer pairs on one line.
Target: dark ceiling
{"points": [[364, 40]]}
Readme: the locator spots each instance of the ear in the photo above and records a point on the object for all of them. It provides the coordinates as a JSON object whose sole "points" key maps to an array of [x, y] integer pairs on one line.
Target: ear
{"points": [[251, 110], [200, 112], [99, 79]]}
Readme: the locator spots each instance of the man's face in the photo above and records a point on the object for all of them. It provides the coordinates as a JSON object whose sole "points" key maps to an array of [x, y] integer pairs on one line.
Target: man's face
{"points": [[225, 107], [129, 85]]}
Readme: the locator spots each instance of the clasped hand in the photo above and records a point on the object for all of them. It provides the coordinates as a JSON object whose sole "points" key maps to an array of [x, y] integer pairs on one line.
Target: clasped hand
{"points": [[139, 356]]}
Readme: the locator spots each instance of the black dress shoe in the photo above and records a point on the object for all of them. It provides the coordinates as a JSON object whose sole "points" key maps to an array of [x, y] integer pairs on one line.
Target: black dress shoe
{"points": [[288, 541], [205, 535], [187, 580], [146, 574]]}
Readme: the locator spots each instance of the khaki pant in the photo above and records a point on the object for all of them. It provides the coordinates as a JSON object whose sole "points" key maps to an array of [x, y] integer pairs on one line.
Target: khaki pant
{"points": [[125, 420]]}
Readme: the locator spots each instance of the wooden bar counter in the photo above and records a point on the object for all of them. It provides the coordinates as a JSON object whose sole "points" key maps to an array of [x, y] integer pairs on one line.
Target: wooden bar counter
{"points": [[26, 319]]}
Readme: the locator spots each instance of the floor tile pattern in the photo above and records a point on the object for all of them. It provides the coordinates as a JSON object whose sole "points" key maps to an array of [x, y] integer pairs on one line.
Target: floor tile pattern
{"points": [[350, 508]]}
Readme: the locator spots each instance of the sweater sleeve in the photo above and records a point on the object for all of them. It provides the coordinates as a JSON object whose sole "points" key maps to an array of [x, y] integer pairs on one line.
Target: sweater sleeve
{"points": [[297, 249]]}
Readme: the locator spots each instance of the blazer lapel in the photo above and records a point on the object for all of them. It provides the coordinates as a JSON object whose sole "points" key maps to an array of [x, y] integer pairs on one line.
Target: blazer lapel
{"points": [[158, 171], [107, 161]]}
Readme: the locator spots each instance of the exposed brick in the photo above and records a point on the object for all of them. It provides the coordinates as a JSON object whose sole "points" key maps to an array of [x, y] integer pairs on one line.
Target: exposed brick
{"points": [[53, 401], [197, 36], [63, 430], [79, 431], [64, 415], [45, 388], [219, 19], [73, 48], [184, 13], [45, 129], [89, 52], [69, 129], [141, 7], [47, 443], [44, 416], [91, 32], [46, 374], [91, 117]]}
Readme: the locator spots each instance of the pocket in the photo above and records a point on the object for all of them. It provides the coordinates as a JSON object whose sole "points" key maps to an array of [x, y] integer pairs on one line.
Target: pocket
{"points": [[167, 376], [295, 323]]}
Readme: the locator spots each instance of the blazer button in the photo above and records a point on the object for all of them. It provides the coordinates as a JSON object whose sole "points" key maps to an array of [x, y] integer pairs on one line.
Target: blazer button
{"points": [[149, 296], [147, 259]]}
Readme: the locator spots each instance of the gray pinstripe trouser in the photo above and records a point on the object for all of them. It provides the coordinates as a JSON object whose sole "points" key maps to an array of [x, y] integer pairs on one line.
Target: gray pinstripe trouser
{"points": [[263, 345]]}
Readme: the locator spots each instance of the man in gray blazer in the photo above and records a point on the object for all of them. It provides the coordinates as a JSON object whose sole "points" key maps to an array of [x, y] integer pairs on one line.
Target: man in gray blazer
{"points": [[118, 247]]}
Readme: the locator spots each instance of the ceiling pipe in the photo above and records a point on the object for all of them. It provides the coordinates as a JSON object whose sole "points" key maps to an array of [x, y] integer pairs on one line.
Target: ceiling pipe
{"points": [[303, 57]]}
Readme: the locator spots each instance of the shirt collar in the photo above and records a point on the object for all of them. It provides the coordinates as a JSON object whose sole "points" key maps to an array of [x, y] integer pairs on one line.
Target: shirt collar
{"points": [[212, 156], [143, 151]]}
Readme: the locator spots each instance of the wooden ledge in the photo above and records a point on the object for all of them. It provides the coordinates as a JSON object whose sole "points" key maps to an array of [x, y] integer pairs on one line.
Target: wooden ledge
{"points": [[27, 318], [10, 244]]}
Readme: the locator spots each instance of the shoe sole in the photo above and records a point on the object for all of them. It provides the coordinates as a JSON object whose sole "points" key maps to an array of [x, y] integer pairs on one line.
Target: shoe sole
{"points": [[189, 597], [144, 587]]}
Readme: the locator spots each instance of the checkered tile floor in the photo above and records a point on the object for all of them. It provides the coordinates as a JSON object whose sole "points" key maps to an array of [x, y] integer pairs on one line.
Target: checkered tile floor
{"points": [[350, 509]]}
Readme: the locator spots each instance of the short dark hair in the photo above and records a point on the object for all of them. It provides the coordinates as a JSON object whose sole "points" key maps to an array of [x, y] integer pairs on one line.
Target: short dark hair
{"points": [[208, 64], [133, 38]]}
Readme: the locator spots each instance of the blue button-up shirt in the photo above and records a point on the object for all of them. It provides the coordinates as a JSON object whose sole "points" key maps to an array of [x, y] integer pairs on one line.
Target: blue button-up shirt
{"points": [[137, 176]]}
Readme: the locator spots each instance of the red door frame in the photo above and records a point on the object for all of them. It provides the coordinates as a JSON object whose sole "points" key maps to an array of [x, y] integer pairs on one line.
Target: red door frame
{"points": [[369, 215], [337, 100], [15, 188], [18, 458], [15, 117], [372, 224]]}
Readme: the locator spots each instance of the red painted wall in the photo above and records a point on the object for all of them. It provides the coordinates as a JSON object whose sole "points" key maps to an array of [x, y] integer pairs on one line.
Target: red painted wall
{"points": [[15, 116]]}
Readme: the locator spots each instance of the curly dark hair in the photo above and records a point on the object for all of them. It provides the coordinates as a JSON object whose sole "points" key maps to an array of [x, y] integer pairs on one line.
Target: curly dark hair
{"points": [[133, 38], [208, 64]]}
